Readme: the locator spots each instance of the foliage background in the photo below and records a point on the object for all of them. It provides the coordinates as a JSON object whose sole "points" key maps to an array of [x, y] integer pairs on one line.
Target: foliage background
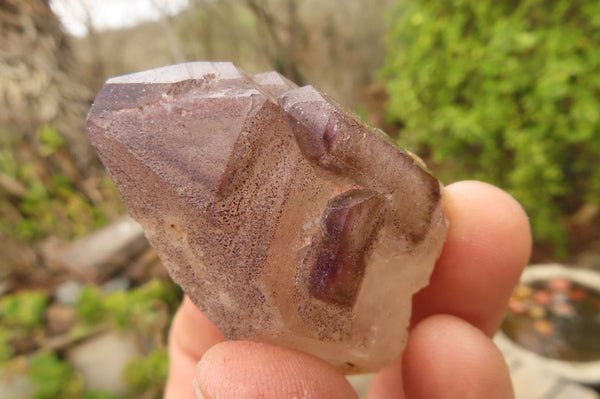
{"points": [[507, 92]]}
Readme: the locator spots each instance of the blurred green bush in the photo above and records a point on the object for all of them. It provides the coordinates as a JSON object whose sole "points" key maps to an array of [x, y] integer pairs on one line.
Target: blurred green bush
{"points": [[503, 91]]}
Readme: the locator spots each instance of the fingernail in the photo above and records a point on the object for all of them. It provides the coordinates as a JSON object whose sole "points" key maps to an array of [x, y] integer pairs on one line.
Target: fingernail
{"points": [[197, 391]]}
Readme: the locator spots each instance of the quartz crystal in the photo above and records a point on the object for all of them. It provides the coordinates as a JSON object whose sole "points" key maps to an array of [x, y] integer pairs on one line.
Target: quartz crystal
{"points": [[283, 217]]}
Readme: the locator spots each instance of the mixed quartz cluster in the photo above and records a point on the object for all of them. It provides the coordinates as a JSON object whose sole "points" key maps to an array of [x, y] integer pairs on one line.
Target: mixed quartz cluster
{"points": [[283, 218]]}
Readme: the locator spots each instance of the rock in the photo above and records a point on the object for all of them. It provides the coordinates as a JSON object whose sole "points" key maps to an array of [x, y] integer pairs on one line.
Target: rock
{"points": [[283, 217], [100, 254], [116, 285], [147, 266], [100, 360], [67, 293], [14, 385], [542, 297], [52, 250], [5, 286], [560, 284], [60, 318], [522, 292]]}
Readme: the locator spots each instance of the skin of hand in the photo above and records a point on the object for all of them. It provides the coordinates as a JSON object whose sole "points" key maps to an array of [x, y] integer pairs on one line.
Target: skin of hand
{"points": [[449, 353]]}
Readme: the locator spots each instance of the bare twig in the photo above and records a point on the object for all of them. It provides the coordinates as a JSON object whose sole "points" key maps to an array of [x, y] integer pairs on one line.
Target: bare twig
{"points": [[282, 34], [268, 23], [67, 340], [165, 22]]}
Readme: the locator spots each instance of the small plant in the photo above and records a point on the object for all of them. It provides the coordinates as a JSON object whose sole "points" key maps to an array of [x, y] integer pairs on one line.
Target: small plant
{"points": [[24, 310], [50, 140], [90, 307], [53, 378], [503, 91], [147, 374], [6, 350], [145, 309], [44, 193]]}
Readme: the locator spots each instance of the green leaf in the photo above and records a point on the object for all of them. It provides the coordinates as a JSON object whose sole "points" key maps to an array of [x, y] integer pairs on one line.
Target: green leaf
{"points": [[52, 378], [145, 373], [23, 309], [50, 140]]}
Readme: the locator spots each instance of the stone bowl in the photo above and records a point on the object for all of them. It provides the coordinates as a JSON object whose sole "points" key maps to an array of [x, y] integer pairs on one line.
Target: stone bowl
{"points": [[582, 372]]}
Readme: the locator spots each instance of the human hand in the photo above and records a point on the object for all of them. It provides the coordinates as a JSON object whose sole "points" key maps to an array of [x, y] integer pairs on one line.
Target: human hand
{"points": [[449, 353]]}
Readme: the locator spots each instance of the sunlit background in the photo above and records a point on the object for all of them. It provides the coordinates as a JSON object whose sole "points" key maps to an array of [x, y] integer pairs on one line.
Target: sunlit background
{"points": [[79, 16], [505, 92]]}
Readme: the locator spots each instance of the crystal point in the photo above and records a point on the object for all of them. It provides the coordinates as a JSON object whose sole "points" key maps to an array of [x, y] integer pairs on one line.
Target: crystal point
{"points": [[283, 218]]}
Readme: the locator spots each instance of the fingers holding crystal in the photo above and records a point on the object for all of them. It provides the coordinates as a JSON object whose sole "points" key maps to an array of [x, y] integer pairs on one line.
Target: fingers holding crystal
{"points": [[447, 358], [243, 369], [191, 335], [488, 244]]}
